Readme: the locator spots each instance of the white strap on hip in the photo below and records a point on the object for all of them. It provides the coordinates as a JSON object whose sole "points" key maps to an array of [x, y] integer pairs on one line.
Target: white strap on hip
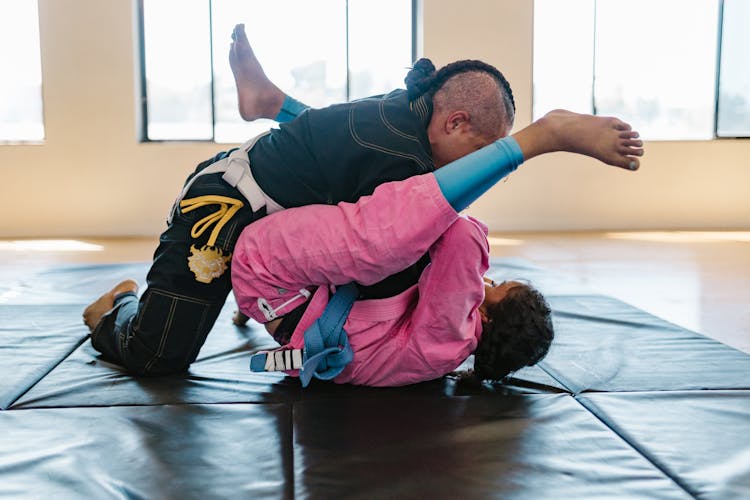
{"points": [[236, 172]]}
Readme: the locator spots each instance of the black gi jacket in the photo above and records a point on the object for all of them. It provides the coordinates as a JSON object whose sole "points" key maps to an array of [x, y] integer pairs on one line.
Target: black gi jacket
{"points": [[344, 151]]}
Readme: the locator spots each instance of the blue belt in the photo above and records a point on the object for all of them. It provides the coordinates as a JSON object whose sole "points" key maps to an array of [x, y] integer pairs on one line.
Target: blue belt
{"points": [[327, 349]]}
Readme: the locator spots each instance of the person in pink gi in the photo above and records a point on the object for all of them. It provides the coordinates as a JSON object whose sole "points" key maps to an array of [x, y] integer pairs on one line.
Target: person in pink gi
{"points": [[298, 256]]}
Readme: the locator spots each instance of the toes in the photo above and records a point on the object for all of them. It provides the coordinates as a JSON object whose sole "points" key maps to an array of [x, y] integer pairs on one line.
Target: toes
{"points": [[618, 124], [630, 151], [626, 161], [239, 318], [634, 164], [236, 32], [631, 147], [239, 32], [634, 143]]}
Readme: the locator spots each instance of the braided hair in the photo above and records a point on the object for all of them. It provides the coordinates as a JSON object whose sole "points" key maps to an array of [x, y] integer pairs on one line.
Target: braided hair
{"points": [[423, 79], [519, 333], [420, 78]]}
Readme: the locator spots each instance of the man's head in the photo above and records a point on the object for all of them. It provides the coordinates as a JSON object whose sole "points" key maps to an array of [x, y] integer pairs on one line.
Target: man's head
{"points": [[516, 330], [472, 106]]}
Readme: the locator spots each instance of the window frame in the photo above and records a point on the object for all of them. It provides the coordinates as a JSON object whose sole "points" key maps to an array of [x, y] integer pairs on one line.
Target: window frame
{"points": [[719, 53], [42, 139], [143, 87], [716, 102]]}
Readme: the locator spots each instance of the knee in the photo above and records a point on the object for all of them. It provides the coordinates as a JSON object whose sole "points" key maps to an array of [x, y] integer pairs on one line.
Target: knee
{"points": [[153, 365]]}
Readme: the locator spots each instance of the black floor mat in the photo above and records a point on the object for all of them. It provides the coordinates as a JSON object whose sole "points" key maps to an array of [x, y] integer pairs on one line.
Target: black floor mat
{"points": [[625, 405]]}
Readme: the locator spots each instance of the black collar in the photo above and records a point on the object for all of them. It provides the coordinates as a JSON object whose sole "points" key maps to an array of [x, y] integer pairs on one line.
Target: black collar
{"points": [[422, 107]]}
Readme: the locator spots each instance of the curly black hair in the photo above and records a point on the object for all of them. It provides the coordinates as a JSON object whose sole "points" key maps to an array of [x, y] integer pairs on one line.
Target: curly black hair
{"points": [[424, 79], [518, 333]]}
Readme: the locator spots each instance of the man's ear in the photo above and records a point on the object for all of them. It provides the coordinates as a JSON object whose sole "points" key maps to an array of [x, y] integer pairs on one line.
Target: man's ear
{"points": [[456, 121]]}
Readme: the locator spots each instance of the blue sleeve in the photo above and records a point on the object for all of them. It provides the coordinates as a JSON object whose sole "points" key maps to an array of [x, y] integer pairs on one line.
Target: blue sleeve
{"points": [[466, 179], [290, 109]]}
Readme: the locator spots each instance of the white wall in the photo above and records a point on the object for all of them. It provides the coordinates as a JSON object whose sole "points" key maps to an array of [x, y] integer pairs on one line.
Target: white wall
{"points": [[91, 177]]}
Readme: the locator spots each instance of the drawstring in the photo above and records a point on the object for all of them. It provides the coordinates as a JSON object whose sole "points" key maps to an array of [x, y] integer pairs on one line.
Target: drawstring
{"points": [[227, 208]]}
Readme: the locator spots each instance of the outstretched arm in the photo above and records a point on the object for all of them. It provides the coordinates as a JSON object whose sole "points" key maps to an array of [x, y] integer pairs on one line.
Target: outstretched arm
{"points": [[316, 245], [609, 140], [388, 231]]}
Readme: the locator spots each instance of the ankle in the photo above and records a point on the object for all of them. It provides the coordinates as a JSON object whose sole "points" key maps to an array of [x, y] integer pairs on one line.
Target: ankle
{"points": [[540, 137], [558, 125], [272, 100]]}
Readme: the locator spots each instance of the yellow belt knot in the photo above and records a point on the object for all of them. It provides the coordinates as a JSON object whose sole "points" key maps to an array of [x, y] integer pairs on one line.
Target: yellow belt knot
{"points": [[208, 262]]}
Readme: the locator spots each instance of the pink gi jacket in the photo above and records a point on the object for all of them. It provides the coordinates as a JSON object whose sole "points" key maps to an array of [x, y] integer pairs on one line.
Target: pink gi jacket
{"points": [[420, 334]]}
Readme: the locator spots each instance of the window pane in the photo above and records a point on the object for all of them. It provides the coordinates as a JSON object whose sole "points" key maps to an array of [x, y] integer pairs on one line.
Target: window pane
{"points": [[734, 84], [377, 63], [655, 65], [300, 44], [178, 69], [21, 85], [563, 56]]}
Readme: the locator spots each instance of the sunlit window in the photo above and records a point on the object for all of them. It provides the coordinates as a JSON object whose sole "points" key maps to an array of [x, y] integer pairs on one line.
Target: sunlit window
{"points": [[563, 56], [734, 82], [655, 65], [380, 45], [320, 52], [652, 63], [178, 69], [21, 117]]}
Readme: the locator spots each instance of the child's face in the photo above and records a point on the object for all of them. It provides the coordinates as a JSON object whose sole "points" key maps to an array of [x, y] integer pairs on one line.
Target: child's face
{"points": [[494, 293]]}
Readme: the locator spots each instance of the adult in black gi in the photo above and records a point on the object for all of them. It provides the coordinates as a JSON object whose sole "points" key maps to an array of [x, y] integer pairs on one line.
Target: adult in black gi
{"points": [[329, 155]]}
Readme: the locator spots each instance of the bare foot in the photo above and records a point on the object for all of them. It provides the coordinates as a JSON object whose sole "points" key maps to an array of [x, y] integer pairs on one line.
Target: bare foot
{"points": [[94, 312], [607, 139], [257, 96], [239, 318]]}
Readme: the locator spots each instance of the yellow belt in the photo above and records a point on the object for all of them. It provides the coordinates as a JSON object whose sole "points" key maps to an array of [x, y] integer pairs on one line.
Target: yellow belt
{"points": [[227, 208], [208, 262]]}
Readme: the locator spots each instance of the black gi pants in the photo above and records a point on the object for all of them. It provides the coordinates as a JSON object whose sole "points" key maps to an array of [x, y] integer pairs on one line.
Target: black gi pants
{"points": [[164, 331]]}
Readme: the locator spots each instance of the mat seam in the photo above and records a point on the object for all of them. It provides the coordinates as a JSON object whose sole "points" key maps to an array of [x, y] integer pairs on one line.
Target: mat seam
{"points": [[566, 387], [47, 372], [595, 411]]}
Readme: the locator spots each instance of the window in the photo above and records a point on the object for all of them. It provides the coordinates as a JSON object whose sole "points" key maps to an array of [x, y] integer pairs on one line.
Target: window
{"points": [[21, 117], [563, 56], [653, 64], [733, 118], [320, 52]]}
